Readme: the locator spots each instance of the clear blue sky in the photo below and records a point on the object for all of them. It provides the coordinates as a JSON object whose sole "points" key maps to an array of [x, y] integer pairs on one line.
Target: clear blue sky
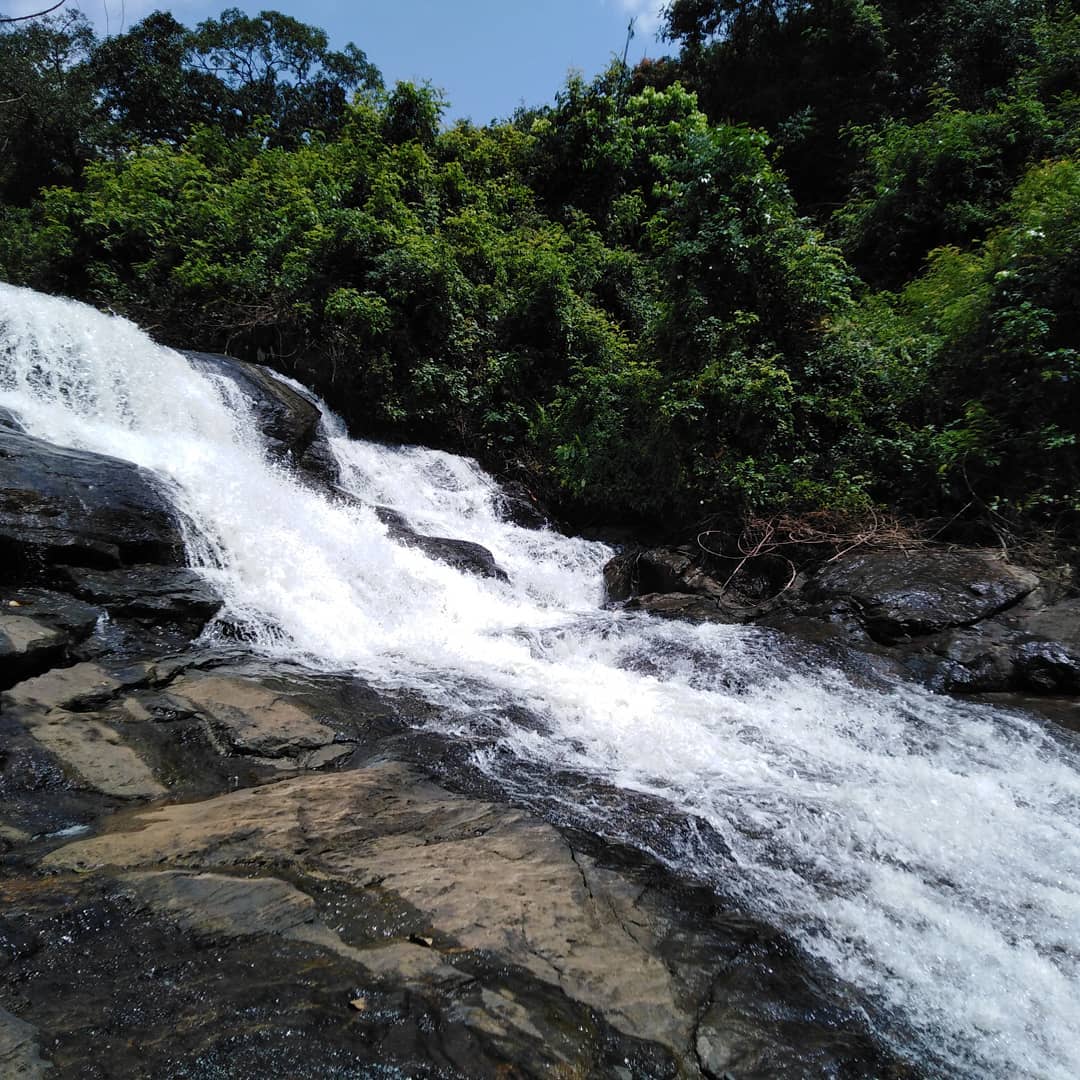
{"points": [[488, 55]]}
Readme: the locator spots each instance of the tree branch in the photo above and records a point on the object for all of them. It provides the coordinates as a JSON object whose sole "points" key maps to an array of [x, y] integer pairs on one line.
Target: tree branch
{"points": [[35, 15]]}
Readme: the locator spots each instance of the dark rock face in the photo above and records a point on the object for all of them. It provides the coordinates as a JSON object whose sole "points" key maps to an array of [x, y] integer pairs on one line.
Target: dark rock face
{"points": [[74, 507], [897, 594], [641, 571], [686, 606], [460, 554], [289, 422], [518, 505], [171, 595], [960, 621]]}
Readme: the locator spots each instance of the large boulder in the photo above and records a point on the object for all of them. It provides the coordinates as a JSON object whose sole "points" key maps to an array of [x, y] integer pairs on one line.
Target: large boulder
{"points": [[290, 422], [645, 571], [462, 555], [74, 507], [898, 594]]}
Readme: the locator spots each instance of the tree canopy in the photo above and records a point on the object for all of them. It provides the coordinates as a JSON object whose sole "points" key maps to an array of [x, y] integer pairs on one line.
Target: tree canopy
{"points": [[823, 257]]}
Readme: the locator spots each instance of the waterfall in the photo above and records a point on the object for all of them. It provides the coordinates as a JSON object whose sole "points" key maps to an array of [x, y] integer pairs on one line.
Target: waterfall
{"points": [[927, 850]]}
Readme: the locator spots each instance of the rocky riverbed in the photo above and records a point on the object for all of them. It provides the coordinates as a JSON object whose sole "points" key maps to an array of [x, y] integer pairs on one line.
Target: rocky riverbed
{"points": [[214, 865]]}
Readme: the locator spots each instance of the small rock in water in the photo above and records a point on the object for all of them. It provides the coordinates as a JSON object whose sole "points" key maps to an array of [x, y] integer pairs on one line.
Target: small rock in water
{"points": [[359, 1004]]}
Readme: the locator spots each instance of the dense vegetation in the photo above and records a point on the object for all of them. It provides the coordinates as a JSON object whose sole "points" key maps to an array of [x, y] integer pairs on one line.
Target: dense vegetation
{"points": [[826, 256]]}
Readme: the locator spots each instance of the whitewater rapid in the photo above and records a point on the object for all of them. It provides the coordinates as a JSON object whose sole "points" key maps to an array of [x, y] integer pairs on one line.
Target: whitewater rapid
{"points": [[926, 849]]}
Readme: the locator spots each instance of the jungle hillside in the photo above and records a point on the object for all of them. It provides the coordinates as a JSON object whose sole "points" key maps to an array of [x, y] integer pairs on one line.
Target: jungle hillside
{"points": [[823, 257]]}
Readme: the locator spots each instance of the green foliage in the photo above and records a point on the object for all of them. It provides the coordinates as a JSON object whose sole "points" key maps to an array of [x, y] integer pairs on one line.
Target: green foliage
{"points": [[46, 107], [938, 182], [1006, 318], [614, 292]]}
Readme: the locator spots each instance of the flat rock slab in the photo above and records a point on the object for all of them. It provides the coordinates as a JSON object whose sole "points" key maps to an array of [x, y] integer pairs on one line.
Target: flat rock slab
{"points": [[19, 1055], [901, 594], [252, 717], [81, 686], [97, 754], [525, 896]]}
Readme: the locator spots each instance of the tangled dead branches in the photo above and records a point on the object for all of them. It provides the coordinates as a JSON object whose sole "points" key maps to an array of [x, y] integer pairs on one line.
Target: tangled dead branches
{"points": [[823, 536]]}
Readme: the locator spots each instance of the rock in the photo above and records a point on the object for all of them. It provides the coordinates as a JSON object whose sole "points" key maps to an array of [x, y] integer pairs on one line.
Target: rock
{"points": [[252, 718], [39, 632], [517, 504], [397, 524], [75, 507], [19, 1054], [686, 606], [73, 618], [1048, 667], [897, 594], [967, 660], [524, 897], [176, 596], [82, 686], [462, 555], [10, 421], [530, 945], [644, 571], [27, 647], [96, 753], [290, 422]]}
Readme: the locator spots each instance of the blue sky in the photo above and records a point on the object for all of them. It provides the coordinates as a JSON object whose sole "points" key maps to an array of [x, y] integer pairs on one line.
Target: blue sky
{"points": [[488, 55]]}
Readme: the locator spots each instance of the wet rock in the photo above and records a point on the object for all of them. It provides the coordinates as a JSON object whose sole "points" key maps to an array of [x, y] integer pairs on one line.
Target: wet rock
{"points": [[79, 508], [20, 1057], [74, 618], [896, 594], [1048, 667], [526, 897], [505, 907], [96, 753], [290, 423], [462, 555], [9, 420], [397, 524], [26, 647], [176, 596], [252, 718], [644, 571], [967, 660], [688, 607], [82, 686], [161, 995], [517, 504]]}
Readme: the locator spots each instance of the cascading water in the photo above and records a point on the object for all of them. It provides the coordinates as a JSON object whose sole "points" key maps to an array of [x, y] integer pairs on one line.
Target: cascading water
{"points": [[927, 850]]}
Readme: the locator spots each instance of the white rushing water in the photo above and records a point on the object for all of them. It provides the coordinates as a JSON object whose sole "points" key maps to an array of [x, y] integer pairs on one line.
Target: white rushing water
{"points": [[927, 850]]}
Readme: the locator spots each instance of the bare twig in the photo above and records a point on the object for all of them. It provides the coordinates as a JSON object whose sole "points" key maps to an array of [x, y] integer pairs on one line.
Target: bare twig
{"points": [[35, 15]]}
